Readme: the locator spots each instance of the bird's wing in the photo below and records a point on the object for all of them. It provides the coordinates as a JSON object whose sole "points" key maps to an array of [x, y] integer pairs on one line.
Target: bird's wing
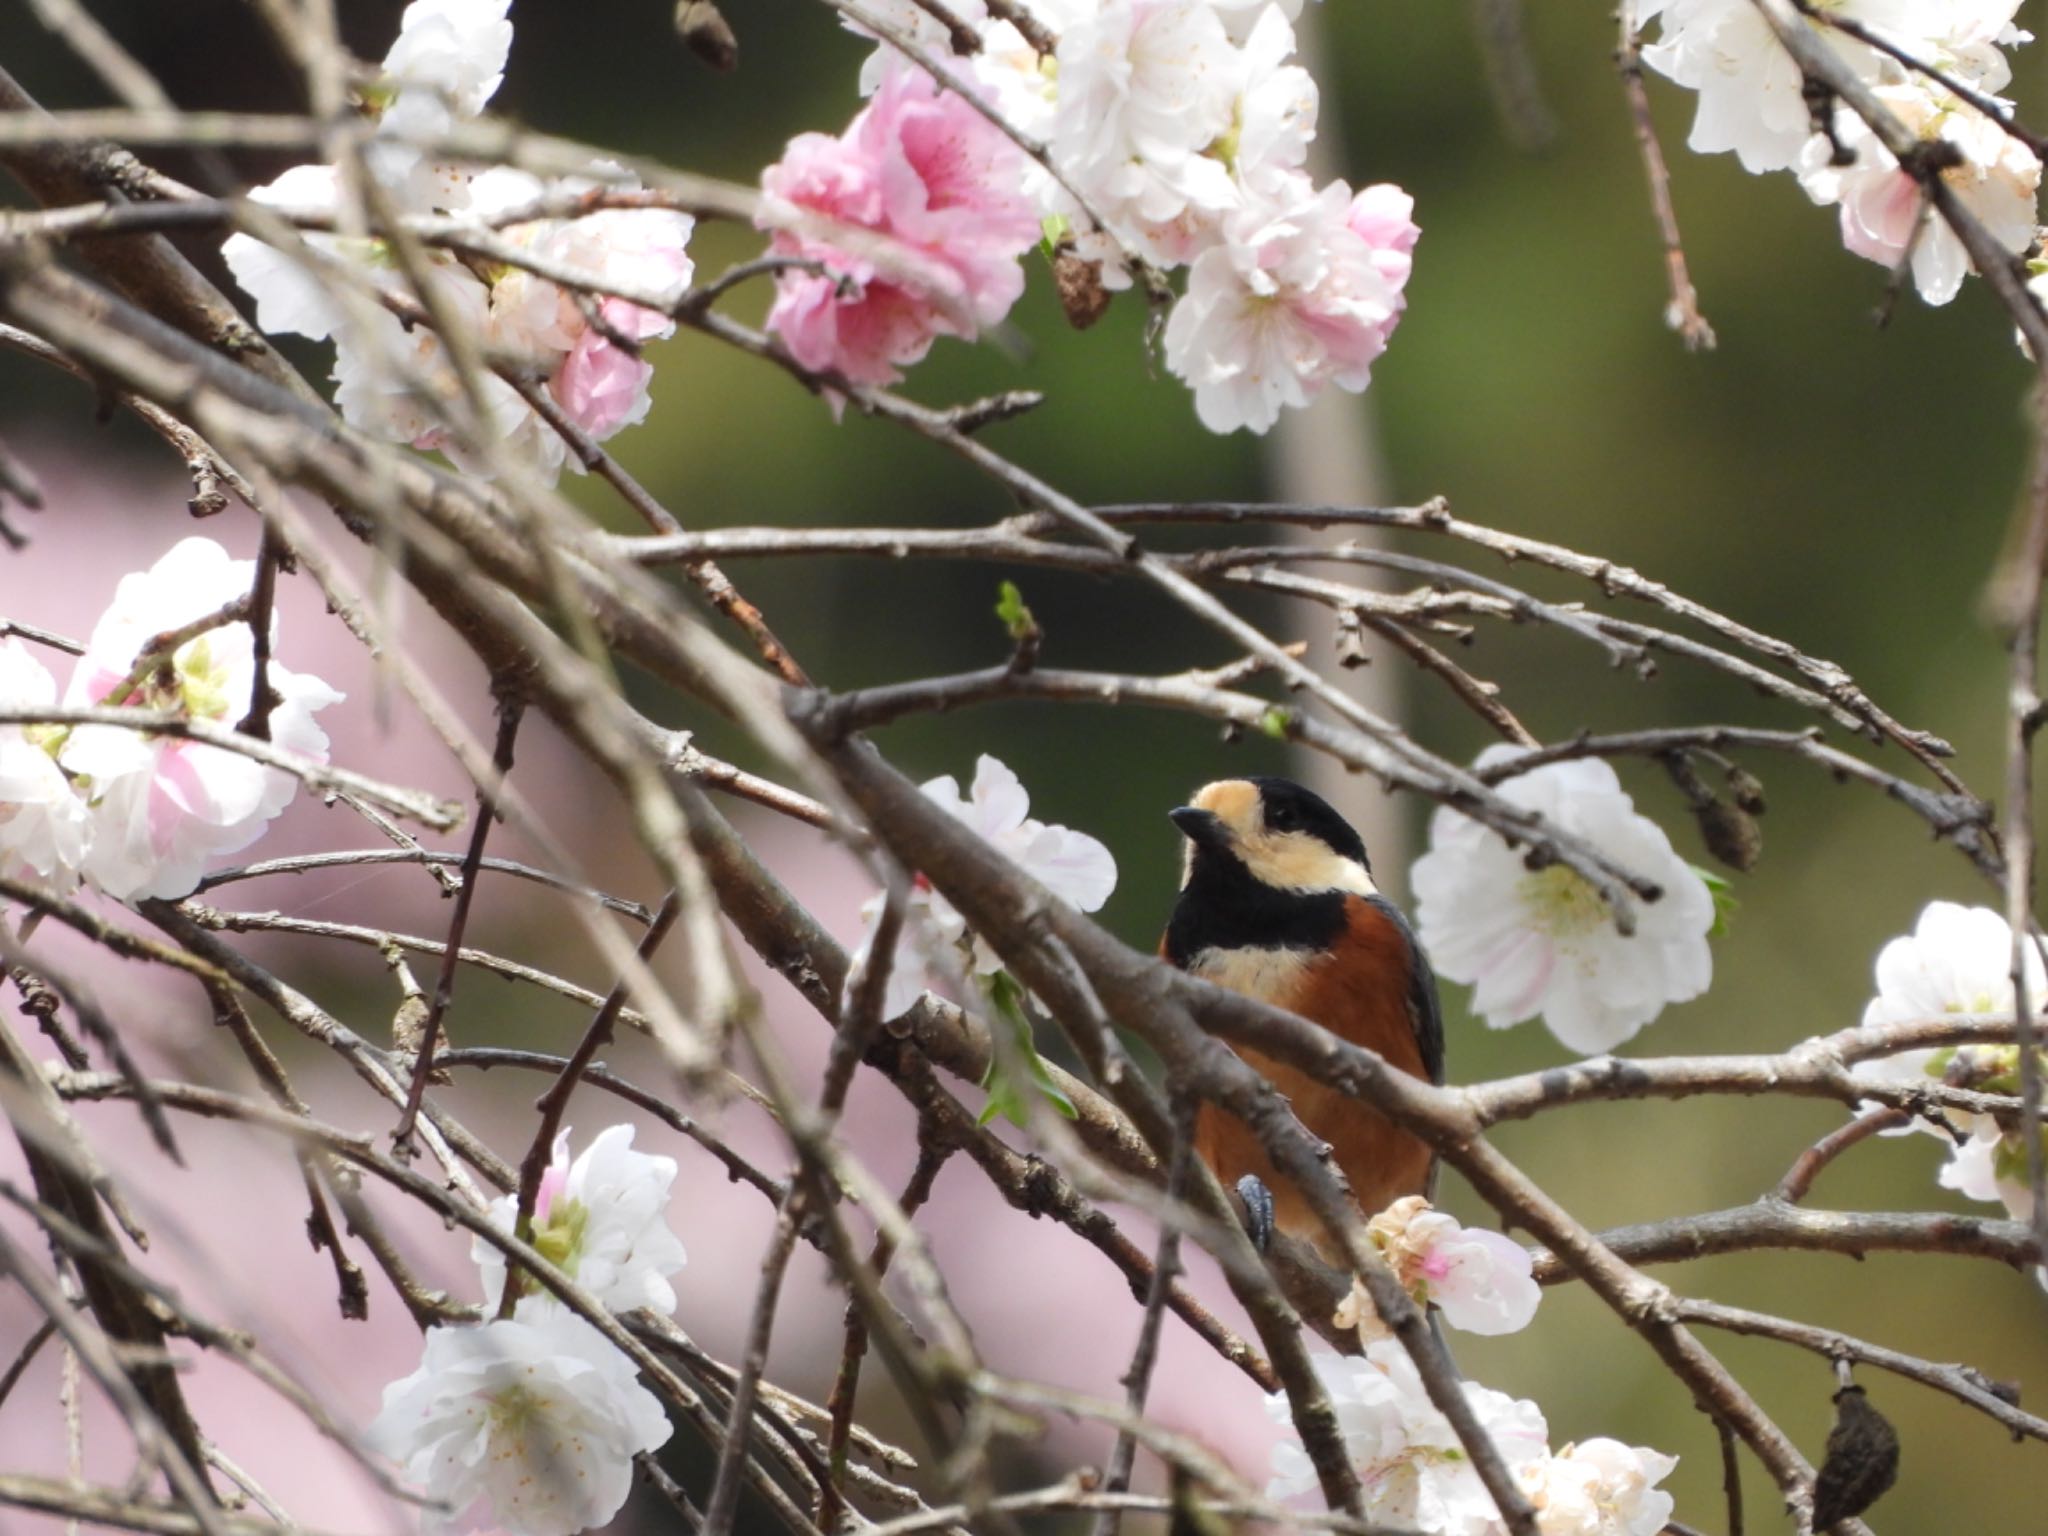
{"points": [[1423, 1011]]}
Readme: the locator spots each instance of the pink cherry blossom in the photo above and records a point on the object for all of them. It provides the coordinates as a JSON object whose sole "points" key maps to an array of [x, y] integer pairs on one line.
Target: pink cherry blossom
{"points": [[1480, 1280], [1997, 179], [1383, 216], [929, 172]]}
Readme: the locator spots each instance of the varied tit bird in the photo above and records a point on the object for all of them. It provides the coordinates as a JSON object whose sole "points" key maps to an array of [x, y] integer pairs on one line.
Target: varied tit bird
{"points": [[1277, 902]]}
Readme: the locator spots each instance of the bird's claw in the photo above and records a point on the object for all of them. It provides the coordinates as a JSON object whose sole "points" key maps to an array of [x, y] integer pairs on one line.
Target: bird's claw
{"points": [[1258, 1210]]}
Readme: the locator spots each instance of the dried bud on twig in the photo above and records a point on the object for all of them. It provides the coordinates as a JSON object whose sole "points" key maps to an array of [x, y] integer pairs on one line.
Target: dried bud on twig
{"points": [[1746, 789], [1079, 281], [1731, 834], [706, 33], [1862, 1461], [1729, 831]]}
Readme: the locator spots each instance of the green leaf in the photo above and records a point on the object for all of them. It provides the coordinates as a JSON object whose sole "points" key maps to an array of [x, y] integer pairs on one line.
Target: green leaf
{"points": [[1016, 617], [1276, 722], [1006, 1097], [1053, 229], [1726, 903]]}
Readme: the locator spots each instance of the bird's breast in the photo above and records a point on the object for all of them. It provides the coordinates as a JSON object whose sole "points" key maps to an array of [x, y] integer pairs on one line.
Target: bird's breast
{"points": [[1272, 975]]}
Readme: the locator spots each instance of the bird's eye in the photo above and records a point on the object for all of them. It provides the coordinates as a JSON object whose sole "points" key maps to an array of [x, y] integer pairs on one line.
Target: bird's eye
{"points": [[1283, 818]]}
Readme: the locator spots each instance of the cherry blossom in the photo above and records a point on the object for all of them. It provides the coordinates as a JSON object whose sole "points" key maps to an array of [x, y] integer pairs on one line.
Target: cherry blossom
{"points": [[1480, 1280], [926, 170], [1882, 212], [1600, 1487], [291, 299], [1958, 960], [1416, 1475], [1072, 865], [530, 1423], [446, 64], [1295, 297], [911, 969], [43, 821], [162, 807], [1991, 1165], [1414, 1470], [1275, 113], [1533, 942], [1751, 97], [1752, 101], [601, 1220], [397, 382], [1145, 88], [454, 49]]}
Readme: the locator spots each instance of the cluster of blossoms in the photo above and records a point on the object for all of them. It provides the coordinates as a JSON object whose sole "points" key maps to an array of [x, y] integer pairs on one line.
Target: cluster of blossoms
{"points": [[531, 1422], [396, 380], [140, 815], [1072, 865], [1415, 1473], [1176, 133], [1480, 1281], [1751, 102], [1543, 941], [1959, 960], [1417, 1477]]}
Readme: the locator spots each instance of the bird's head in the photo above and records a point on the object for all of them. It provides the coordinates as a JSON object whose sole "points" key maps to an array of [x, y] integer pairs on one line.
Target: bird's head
{"points": [[1282, 835]]}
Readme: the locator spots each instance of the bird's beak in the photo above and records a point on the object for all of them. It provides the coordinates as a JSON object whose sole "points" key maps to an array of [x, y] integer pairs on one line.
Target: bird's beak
{"points": [[1202, 828]]}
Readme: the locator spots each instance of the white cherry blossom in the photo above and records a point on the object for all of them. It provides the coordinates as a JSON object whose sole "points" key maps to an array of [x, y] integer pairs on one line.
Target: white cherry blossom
{"points": [[1750, 92], [529, 1423], [1275, 115], [929, 926], [455, 49], [1600, 1487], [1072, 865], [1990, 1165], [1415, 1472], [43, 820], [1958, 959], [1292, 299], [447, 62], [1145, 87], [1751, 97], [602, 1220], [1242, 17], [291, 299], [1533, 942], [162, 808]]}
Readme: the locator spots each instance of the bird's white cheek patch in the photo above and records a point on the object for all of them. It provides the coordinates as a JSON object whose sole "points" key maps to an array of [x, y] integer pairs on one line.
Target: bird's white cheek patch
{"points": [[1294, 861], [1270, 975]]}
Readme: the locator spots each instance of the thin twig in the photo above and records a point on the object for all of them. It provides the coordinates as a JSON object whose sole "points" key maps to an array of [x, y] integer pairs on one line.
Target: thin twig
{"points": [[554, 1102], [510, 708]]}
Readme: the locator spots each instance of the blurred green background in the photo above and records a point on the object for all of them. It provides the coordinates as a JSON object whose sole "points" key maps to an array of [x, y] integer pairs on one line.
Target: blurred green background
{"points": [[1843, 486]]}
